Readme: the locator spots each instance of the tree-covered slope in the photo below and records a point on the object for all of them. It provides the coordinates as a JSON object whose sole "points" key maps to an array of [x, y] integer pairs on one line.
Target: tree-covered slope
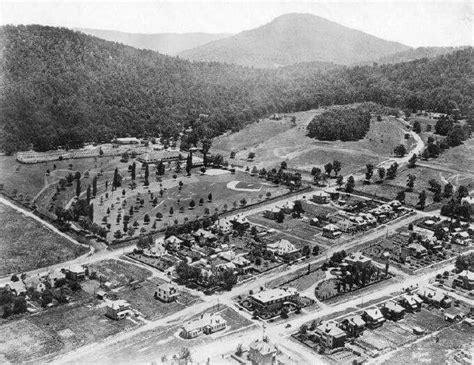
{"points": [[62, 88]]}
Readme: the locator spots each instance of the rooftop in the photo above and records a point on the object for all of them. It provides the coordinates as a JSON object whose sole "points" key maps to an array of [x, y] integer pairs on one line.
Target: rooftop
{"points": [[331, 328], [263, 347], [206, 319], [282, 246], [274, 294]]}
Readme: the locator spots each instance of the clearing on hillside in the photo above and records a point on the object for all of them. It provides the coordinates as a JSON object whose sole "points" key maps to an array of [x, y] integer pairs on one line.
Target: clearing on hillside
{"points": [[274, 141]]}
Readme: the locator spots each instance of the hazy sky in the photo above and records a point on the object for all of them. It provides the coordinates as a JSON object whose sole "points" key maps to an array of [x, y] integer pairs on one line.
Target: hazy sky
{"points": [[415, 23]]}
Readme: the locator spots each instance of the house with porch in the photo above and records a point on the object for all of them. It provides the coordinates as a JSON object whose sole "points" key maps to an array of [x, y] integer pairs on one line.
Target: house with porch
{"points": [[285, 250], [272, 213], [173, 243], [321, 197], [262, 352], [330, 335], [75, 272], [373, 317], [392, 311], [353, 325], [411, 302], [331, 231], [166, 292], [273, 299], [207, 323], [465, 280], [118, 309]]}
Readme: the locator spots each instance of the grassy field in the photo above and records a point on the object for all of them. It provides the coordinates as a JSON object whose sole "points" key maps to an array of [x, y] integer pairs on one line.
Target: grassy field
{"points": [[390, 188], [25, 244], [459, 159], [195, 187], [276, 141], [30, 179]]}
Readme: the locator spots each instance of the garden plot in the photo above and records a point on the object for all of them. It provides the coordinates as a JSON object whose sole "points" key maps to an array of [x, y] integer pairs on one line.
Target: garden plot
{"points": [[22, 341], [118, 273]]}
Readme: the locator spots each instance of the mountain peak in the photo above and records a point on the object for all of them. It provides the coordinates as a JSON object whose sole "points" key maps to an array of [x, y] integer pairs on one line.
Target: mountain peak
{"points": [[294, 38]]}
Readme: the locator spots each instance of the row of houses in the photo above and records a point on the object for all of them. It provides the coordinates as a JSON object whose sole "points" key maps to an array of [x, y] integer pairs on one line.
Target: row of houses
{"points": [[333, 334], [40, 283]]}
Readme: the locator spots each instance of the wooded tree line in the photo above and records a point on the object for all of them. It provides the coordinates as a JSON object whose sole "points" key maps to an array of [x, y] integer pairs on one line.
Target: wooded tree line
{"points": [[63, 88], [345, 124]]}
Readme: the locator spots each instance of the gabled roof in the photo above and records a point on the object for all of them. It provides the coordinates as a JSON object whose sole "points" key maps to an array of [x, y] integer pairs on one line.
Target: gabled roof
{"points": [[331, 227], [330, 328], [203, 233], [282, 246], [392, 306], [173, 239], [167, 287], [206, 319], [374, 313]]}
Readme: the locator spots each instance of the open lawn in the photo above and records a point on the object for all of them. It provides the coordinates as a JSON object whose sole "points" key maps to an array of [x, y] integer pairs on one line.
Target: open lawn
{"points": [[30, 179], [276, 141], [26, 245], [175, 202]]}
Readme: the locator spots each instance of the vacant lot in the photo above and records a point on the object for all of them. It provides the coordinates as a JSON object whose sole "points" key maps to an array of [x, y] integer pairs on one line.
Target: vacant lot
{"points": [[118, 273], [25, 244], [276, 141], [151, 345], [450, 342], [56, 330]]}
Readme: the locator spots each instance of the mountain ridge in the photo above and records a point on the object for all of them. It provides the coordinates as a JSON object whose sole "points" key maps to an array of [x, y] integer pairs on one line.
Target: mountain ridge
{"points": [[295, 38], [165, 43]]}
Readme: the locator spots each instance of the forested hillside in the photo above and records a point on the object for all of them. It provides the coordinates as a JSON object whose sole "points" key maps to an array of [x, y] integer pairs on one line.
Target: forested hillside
{"points": [[62, 88]]}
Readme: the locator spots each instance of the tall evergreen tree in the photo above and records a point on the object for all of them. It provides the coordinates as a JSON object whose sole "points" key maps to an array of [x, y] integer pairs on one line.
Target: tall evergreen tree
{"points": [[94, 186], [147, 174], [89, 192], [134, 170], [78, 187]]}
